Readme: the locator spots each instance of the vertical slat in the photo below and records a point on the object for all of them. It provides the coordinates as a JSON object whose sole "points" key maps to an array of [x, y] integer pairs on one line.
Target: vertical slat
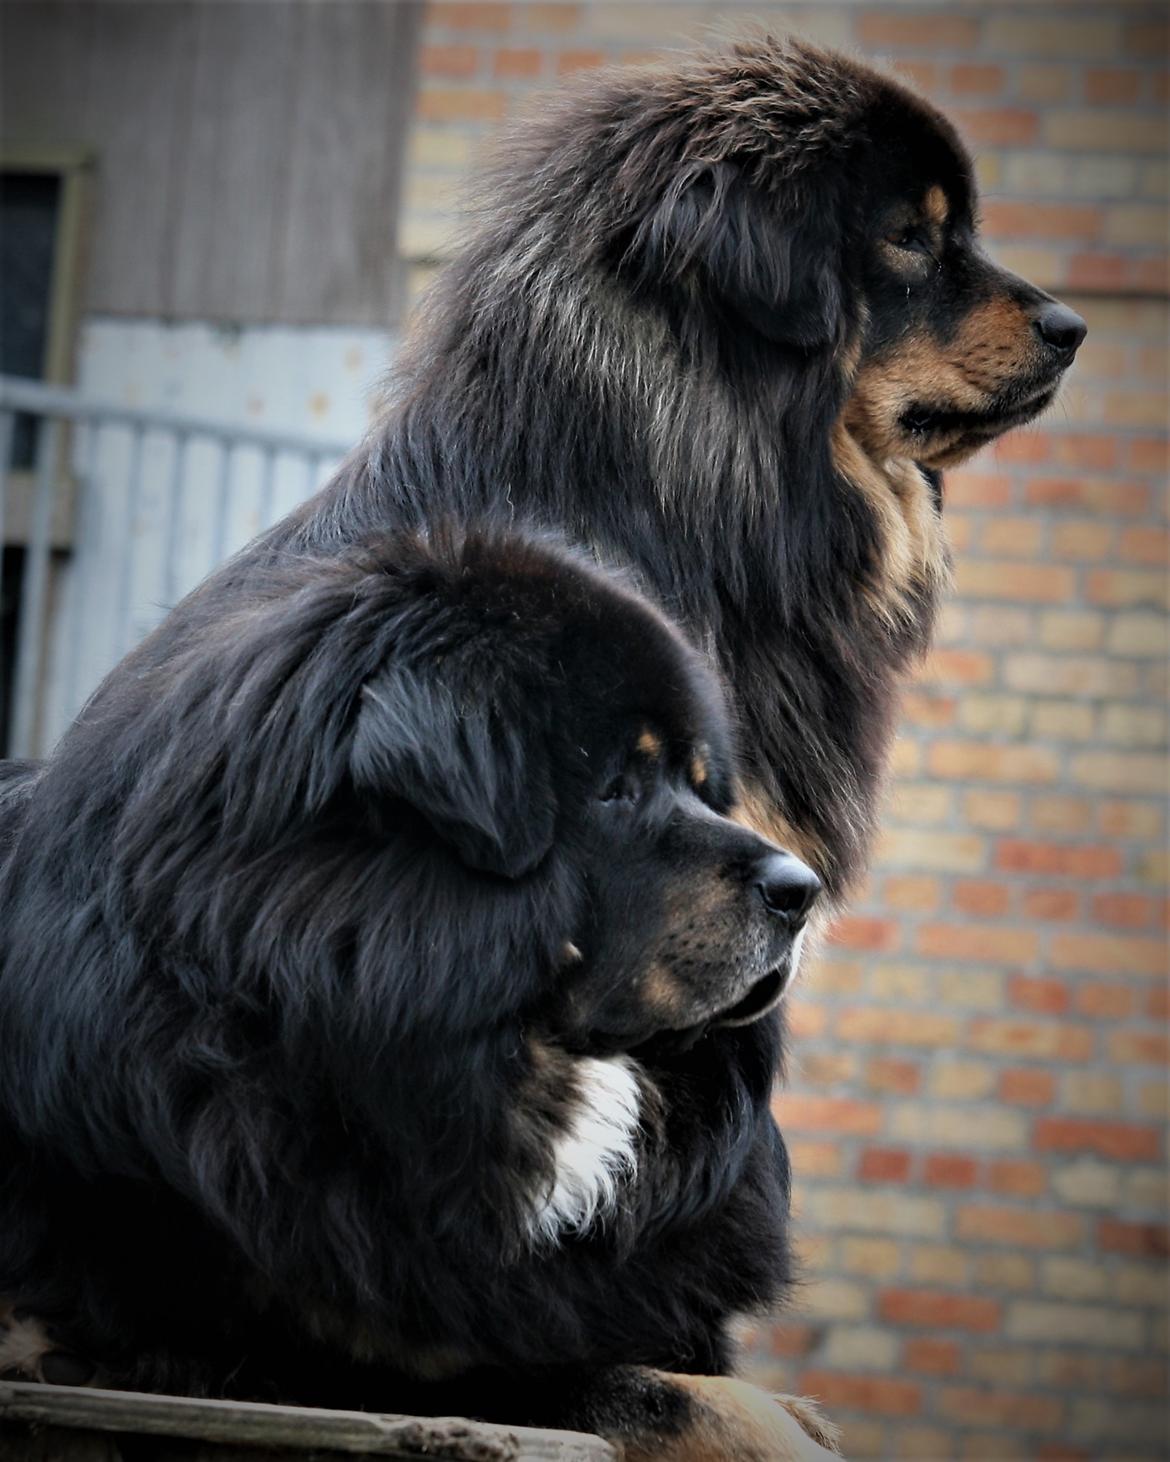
{"points": [[267, 486], [129, 519], [222, 504], [175, 520], [34, 595], [84, 567], [7, 421]]}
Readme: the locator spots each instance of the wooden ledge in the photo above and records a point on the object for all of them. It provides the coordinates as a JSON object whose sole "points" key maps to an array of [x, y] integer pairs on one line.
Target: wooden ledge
{"points": [[75, 1414]]}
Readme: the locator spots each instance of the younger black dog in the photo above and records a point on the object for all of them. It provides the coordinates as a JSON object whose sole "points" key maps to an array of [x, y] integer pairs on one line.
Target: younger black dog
{"points": [[383, 989]]}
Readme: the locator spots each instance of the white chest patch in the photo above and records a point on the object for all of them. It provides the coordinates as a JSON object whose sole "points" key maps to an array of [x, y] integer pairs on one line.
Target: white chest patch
{"points": [[596, 1153]]}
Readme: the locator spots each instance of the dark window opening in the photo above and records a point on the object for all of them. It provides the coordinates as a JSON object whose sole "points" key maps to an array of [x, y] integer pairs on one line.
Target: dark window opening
{"points": [[29, 207]]}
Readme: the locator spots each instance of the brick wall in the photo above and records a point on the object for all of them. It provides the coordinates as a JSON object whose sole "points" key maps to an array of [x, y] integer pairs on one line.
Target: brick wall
{"points": [[978, 1097]]}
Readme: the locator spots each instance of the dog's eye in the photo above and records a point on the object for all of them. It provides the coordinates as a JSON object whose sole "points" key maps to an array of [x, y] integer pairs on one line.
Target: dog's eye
{"points": [[625, 788], [911, 240]]}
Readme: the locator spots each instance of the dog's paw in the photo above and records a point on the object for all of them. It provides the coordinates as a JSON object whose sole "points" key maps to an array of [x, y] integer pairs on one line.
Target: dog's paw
{"points": [[725, 1420], [29, 1353]]}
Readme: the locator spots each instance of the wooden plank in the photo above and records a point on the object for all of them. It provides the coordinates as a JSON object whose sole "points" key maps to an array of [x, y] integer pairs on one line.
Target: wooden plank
{"points": [[141, 60], [336, 256], [291, 1428]]}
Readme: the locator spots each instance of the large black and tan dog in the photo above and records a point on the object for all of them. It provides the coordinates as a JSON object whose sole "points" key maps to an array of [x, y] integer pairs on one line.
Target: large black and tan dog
{"points": [[725, 323], [382, 984]]}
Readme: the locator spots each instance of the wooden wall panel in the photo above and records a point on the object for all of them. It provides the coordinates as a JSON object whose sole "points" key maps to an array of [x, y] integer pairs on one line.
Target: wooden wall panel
{"points": [[248, 154]]}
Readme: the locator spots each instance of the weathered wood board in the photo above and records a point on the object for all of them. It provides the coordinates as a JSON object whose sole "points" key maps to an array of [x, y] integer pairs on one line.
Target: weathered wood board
{"points": [[73, 1424]]}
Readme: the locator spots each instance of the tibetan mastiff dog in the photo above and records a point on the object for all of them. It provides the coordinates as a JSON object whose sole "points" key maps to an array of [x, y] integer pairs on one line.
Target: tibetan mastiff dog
{"points": [[725, 324], [385, 998]]}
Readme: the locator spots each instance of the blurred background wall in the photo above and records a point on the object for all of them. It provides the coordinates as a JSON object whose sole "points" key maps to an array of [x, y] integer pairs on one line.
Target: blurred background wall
{"points": [[977, 1102]]}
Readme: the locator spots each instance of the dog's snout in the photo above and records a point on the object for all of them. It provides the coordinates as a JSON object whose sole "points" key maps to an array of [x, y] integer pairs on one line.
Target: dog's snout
{"points": [[1058, 326], [787, 886]]}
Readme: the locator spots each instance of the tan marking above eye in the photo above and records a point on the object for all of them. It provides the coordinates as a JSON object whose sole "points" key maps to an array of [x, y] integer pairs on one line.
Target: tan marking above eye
{"points": [[649, 744], [935, 206], [699, 771]]}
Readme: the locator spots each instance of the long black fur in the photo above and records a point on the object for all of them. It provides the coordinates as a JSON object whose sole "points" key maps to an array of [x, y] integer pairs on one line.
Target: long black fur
{"points": [[289, 1027]]}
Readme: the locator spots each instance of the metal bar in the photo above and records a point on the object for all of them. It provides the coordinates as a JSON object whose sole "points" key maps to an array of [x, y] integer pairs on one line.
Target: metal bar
{"points": [[83, 581], [133, 500], [34, 593], [22, 395], [174, 521]]}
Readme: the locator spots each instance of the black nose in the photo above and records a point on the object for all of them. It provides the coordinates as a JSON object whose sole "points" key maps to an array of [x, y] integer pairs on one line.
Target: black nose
{"points": [[787, 886], [1060, 327]]}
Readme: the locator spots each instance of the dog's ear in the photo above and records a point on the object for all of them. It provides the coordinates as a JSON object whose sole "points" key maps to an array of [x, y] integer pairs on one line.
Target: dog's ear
{"points": [[469, 754], [778, 271]]}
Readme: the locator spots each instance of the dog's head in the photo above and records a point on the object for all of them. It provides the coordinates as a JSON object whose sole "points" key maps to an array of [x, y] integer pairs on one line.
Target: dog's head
{"points": [[555, 732], [806, 204]]}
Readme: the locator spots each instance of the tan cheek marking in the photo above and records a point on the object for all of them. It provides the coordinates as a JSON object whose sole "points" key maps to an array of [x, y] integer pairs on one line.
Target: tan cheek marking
{"points": [[914, 552], [935, 205], [660, 989], [649, 744]]}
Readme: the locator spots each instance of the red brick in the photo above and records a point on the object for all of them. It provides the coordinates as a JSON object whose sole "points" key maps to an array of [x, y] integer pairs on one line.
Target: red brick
{"points": [[1158, 1004], [873, 1024], [458, 61], [1027, 1087], [801, 1113], [1017, 1179], [883, 1165], [976, 942], [981, 898], [976, 80], [1129, 498], [936, 1357], [1150, 275], [1058, 859], [1053, 905], [979, 761], [1133, 1376], [556, 18], [969, 487], [477, 15], [1105, 1002], [1150, 454], [1020, 1228], [806, 1021], [939, 1310], [916, 893], [896, 31], [1139, 1048], [1112, 84], [990, 578], [518, 64], [854, 931], [814, 1159], [885, 1073], [1144, 545], [1146, 38], [1048, 1040], [1121, 1141], [1044, 997], [947, 1170], [959, 667], [473, 104], [1127, 910], [1014, 1409], [1131, 954], [1088, 270], [579, 60], [1047, 220], [996, 125], [1143, 1240], [877, 1394]]}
